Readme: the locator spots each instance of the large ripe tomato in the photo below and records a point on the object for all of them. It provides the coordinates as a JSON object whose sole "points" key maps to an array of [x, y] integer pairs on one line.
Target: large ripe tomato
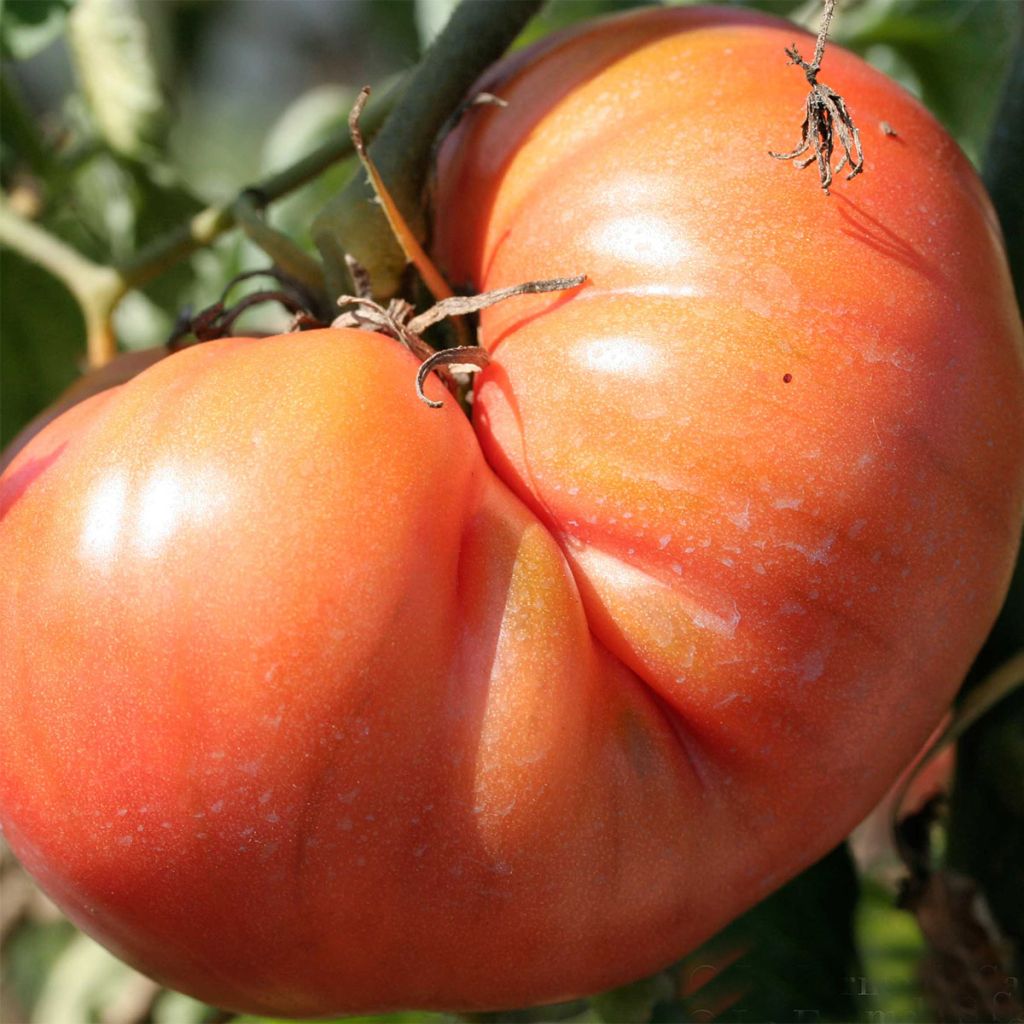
{"points": [[779, 436], [304, 711], [300, 709]]}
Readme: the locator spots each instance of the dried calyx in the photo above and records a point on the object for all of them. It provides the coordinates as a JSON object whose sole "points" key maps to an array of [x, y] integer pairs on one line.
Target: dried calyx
{"points": [[400, 321], [825, 117], [218, 320]]}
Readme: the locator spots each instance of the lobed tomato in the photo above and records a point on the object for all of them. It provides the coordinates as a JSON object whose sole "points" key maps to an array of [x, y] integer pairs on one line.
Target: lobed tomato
{"points": [[314, 702], [779, 436]]}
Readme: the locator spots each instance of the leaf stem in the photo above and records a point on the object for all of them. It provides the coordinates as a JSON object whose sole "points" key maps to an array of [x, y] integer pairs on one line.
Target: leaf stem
{"points": [[96, 288]]}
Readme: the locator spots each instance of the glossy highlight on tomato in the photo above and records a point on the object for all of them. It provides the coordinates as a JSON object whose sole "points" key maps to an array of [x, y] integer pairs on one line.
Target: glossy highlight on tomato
{"points": [[315, 700]]}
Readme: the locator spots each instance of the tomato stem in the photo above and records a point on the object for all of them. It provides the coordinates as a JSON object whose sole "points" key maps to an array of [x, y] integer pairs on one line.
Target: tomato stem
{"points": [[478, 32], [397, 321], [461, 355]]}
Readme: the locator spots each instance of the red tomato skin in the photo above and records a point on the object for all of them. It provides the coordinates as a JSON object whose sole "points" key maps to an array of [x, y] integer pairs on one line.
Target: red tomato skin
{"points": [[779, 435], [299, 709], [353, 728], [119, 370]]}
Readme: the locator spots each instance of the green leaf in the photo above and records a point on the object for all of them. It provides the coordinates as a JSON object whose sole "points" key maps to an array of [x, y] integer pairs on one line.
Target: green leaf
{"points": [[175, 1008], [114, 56], [29, 955], [791, 958], [85, 979], [42, 339], [115, 207], [957, 49], [27, 26], [313, 118], [891, 947]]}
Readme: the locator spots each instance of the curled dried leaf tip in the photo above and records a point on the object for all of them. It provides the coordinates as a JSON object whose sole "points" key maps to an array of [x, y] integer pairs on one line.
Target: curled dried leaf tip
{"points": [[218, 319], [468, 357], [397, 320], [826, 117]]}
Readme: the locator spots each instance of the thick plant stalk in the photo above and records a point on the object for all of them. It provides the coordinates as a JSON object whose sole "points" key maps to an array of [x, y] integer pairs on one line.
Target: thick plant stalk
{"points": [[478, 33]]}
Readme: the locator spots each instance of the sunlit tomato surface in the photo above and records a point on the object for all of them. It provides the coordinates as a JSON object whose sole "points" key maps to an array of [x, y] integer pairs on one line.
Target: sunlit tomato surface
{"points": [[300, 707], [778, 435], [310, 703]]}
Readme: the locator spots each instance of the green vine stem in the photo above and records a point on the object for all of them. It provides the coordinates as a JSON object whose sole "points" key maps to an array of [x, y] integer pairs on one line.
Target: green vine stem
{"points": [[209, 224], [986, 831], [477, 34], [98, 289]]}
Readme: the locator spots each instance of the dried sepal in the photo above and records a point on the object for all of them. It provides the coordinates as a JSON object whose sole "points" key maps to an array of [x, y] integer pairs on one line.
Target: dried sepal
{"points": [[826, 117], [468, 357], [397, 320]]}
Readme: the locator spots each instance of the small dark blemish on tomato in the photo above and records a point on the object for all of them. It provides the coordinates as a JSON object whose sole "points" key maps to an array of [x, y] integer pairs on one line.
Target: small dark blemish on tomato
{"points": [[786, 378]]}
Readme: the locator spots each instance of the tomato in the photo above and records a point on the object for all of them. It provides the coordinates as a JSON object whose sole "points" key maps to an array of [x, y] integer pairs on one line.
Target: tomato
{"points": [[300, 707], [119, 370], [317, 700], [778, 435]]}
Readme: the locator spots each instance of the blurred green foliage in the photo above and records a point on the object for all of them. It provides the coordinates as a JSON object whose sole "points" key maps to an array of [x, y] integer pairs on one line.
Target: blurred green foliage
{"points": [[112, 134]]}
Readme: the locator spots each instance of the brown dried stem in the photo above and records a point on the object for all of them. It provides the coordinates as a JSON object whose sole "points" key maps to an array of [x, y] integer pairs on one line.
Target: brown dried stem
{"points": [[218, 319], [825, 117], [404, 234], [397, 321], [461, 355], [392, 320], [462, 305]]}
